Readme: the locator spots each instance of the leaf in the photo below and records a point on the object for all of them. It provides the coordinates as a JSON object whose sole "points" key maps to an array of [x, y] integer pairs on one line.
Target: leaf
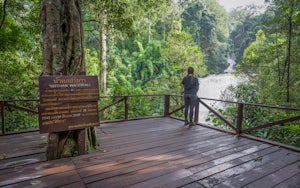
{"points": [[3, 156], [258, 159], [35, 182], [103, 150]]}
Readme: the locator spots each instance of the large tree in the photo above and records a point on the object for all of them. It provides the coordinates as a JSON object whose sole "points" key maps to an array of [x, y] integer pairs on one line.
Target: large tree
{"points": [[63, 54]]}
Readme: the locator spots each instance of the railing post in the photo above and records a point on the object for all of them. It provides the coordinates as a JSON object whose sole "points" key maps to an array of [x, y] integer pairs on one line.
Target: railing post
{"points": [[239, 120], [126, 107], [3, 117], [167, 105], [196, 114]]}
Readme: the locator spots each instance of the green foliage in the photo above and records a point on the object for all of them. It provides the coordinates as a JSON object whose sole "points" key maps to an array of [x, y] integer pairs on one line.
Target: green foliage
{"points": [[17, 120], [245, 23], [254, 116], [92, 59], [20, 51], [182, 52], [272, 63], [20, 66], [204, 22]]}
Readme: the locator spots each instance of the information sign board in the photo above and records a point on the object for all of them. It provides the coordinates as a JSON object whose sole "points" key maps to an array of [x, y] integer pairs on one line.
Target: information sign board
{"points": [[68, 103]]}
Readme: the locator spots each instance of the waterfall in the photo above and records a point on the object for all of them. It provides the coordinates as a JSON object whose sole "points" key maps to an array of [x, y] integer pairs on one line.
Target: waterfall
{"points": [[213, 86], [230, 68]]}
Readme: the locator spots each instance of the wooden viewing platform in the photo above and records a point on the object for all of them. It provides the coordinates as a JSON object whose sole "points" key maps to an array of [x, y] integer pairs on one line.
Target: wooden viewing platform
{"points": [[155, 152]]}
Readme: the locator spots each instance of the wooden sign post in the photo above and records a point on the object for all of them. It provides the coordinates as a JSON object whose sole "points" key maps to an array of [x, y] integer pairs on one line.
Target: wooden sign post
{"points": [[68, 103]]}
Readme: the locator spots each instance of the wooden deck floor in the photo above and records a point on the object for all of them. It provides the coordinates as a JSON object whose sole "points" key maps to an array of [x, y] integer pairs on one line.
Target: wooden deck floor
{"points": [[158, 152]]}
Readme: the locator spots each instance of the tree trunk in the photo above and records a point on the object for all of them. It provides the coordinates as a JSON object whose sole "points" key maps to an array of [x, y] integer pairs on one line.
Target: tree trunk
{"points": [[288, 61], [103, 55], [3, 13], [63, 54], [288, 58]]}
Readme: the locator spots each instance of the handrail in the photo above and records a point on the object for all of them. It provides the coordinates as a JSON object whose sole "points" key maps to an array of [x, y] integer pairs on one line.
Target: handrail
{"points": [[254, 104], [272, 124], [112, 104], [237, 126], [243, 132], [218, 114], [240, 117], [7, 103]]}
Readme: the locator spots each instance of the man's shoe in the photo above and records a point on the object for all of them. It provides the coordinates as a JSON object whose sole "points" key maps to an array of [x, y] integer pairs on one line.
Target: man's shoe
{"points": [[186, 123], [192, 124]]}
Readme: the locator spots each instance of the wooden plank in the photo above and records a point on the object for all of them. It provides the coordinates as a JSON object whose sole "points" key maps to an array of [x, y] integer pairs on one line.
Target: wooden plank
{"points": [[160, 152], [247, 177], [164, 179], [22, 153], [205, 158], [10, 147], [125, 170], [182, 182], [244, 164], [193, 185], [218, 164], [291, 182], [153, 142], [144, 137], [31, 172], [23, 138], [146, 151], [21, 161], [278, 176], [135, 177], [79, 184], [141, 161], [53, 180], [144, 147], [13, 146]]}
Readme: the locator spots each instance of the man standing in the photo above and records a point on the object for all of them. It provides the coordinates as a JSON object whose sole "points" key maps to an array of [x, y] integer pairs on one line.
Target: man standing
{"points": [[191, 87]]}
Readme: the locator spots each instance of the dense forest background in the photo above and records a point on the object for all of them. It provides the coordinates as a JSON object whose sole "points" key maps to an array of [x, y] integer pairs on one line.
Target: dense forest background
{"points": [[144, 47]]}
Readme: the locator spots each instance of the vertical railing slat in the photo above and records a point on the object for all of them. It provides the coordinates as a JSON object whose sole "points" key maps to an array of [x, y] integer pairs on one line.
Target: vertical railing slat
{"points": [[3, 117], [167, 105], [196, 116], [126, 107], [239, 120]]}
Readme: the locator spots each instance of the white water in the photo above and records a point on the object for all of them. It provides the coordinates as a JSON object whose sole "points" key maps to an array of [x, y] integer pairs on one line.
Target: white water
{"points": [[212, 87]]}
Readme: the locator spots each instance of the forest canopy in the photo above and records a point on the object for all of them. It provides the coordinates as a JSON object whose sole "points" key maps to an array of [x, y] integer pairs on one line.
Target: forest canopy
{"points": [[145, 46]]}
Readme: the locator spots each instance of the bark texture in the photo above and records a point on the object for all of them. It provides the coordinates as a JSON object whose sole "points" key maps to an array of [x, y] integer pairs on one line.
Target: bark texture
{"points": [[62, 34], [103, 62], [63, 54]]}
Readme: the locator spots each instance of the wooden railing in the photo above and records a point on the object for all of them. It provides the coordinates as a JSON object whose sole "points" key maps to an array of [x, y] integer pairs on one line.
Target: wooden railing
{"points": [[240, 115], [237, 128], [9, 106], [166, 105]]}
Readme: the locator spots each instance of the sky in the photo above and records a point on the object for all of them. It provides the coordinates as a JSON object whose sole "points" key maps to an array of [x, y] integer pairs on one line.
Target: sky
{"points": [[230, 4]]}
